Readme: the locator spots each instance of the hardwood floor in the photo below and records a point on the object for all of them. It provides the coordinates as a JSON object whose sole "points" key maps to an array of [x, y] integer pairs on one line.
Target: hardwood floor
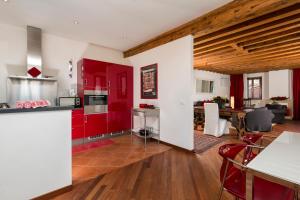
{"points": [[173, 174], [123, 151]]}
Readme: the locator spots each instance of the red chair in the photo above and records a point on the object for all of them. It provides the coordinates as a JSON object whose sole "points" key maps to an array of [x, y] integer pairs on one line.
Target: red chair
{"points": [[251, 139], [233, 178]]}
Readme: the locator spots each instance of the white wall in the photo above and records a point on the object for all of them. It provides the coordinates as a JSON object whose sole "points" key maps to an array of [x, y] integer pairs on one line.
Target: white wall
{"points": [[57, 52], [279, 83], [274, 83], [175, 94], [221, 85], [35, 158]]}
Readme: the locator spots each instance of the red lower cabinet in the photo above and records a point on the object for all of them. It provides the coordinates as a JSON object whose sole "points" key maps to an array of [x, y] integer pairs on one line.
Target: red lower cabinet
{"points": [[95, 124], [77, 124]]}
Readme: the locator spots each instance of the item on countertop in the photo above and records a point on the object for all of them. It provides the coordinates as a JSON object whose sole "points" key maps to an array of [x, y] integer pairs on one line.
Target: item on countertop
{"points": [[148, 106], [4, 106], [32, 104]]}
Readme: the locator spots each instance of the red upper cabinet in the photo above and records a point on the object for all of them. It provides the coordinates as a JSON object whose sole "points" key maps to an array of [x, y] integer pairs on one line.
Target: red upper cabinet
{"points": [[120, 99], [94, 74]]}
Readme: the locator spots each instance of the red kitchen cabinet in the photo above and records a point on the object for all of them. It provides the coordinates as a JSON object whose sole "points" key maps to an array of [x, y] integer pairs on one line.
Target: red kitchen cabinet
{"points": [[95, 124], [77, 124], [93, 74], [120, 99], [118, 81]]}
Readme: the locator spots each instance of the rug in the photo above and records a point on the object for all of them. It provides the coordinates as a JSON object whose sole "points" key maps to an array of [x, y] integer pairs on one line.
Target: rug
{"points": [[204, 142], [91, 145]]}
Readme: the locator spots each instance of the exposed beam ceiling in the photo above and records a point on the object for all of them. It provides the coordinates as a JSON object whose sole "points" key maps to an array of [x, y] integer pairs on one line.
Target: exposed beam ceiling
{"points": [[268, 42], [209, 26]]}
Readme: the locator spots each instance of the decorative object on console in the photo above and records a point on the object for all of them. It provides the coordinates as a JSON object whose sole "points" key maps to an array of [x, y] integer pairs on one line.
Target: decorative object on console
{"points": [[275, 99], [149, 87], [221, 101]]}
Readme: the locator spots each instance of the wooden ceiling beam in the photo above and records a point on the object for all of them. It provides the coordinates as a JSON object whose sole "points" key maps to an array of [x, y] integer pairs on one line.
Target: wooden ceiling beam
{"points": [[227, 57], [233, 13], [291, 37], [256, 24], [252, 66], [274, 46], [254, 62], [270, 37], [251, 34]]}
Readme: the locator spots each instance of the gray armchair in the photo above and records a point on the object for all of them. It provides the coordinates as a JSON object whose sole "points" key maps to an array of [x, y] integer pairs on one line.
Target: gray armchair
{"points": [[259, 119]]}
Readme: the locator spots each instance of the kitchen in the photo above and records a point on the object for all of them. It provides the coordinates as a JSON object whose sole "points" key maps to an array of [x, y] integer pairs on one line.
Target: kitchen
{"points": [[36, 143], [99, 106]]}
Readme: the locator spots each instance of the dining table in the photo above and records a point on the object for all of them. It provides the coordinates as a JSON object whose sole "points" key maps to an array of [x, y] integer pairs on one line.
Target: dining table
{"points": [[279, 162]]}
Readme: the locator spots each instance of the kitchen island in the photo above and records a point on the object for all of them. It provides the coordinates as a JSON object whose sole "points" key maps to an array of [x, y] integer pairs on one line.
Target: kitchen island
{"points": [[35, 151]]}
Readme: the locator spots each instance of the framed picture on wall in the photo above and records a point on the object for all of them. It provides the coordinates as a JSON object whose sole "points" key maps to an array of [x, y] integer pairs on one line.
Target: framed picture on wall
{"points": [[149, 88]]}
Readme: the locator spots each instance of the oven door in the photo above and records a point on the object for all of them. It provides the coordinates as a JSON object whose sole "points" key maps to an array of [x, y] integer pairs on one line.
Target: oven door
{"points": [[95, 102]]}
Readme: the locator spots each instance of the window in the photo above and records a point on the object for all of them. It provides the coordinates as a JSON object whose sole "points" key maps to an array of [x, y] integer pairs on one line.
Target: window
{"points": [[204, 86], [254, 88]]}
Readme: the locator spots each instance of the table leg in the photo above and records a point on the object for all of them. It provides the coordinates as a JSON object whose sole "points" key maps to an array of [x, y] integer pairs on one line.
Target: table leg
{"points": [[249, 185]]}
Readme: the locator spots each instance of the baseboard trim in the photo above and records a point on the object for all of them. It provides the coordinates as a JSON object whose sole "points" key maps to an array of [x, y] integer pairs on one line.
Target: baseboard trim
{"points": [[174, 146], [54, 193]]}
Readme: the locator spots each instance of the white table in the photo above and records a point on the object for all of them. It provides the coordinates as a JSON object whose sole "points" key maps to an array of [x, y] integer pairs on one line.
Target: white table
{"points": [[279, 162]]}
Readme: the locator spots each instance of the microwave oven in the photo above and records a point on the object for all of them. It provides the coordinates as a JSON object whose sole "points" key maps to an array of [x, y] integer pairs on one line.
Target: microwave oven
{"points": [[69, 101]]}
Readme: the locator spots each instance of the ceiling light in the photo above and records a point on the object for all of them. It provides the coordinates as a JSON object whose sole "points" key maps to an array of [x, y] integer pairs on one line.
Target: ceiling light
{"points": [[5, 1], [76, 22]]}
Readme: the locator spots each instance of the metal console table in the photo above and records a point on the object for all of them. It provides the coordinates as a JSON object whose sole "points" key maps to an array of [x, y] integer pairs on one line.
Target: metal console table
{"points": [[146, 113]]}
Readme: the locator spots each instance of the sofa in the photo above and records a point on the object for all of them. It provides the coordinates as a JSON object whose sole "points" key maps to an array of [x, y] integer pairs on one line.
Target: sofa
{"points": [[279, 111], [260, 119]]}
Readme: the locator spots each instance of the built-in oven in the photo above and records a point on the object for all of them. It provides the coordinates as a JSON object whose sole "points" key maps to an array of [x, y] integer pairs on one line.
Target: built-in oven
{"points": [[95, 101]]}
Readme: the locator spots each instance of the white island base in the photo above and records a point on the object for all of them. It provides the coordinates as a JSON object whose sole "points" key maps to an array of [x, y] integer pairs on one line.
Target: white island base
{"points": [[35, 153]]}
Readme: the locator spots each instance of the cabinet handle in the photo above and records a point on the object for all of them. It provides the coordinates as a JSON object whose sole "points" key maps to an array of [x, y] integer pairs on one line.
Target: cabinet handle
{"points": [[85, 81], [108, 83], [85, 119]]}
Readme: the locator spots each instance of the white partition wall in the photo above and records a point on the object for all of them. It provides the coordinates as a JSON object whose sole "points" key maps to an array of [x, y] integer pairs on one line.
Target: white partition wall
{"points": [[175, 89], [35, 153]]}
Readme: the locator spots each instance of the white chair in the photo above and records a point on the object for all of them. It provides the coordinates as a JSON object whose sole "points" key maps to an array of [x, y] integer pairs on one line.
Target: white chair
{"points": [[213, 124]]}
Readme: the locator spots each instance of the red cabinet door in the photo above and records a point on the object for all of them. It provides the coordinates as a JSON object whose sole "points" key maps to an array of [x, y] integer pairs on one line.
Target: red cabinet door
{"points": [[95, 124], [77, 124], [94, 75], [120, 99]]}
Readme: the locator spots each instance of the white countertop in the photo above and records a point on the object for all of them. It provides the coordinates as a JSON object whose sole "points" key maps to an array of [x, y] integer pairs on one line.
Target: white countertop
{"points": [[281, 158]]}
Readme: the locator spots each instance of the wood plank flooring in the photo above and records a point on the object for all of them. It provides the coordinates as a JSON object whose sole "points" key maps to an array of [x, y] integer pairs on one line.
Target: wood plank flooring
{"points": [[173, 174]]}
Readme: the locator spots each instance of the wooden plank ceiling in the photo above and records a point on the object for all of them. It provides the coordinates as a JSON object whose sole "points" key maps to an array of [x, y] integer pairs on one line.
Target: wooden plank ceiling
{"points": [[268, 42]]}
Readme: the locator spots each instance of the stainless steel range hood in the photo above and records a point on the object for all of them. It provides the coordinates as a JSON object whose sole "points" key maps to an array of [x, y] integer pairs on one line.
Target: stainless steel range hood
{"points": [[34, 59], [21, 85], [34, 48]]}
